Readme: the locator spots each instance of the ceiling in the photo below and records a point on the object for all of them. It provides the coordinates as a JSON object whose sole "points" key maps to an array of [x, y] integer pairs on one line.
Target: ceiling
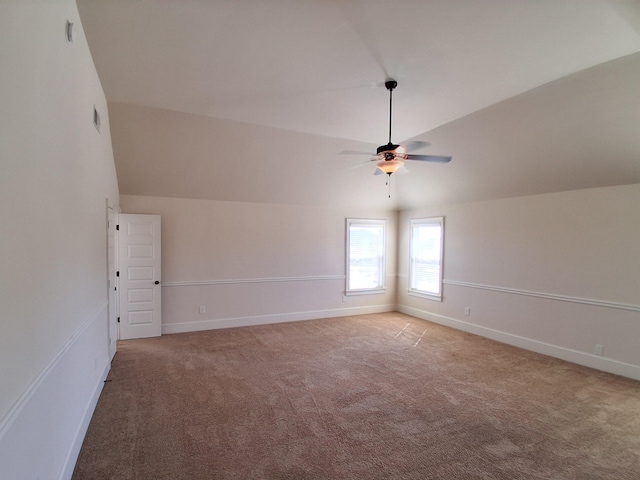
{"points": [[252, 100]]}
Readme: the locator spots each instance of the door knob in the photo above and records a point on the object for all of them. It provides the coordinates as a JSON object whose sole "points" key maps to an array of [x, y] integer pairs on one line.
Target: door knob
{"points": [[157, 282]]}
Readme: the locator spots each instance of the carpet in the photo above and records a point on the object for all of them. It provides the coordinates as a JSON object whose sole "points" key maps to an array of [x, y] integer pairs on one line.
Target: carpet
{"points": [[382, 396]]}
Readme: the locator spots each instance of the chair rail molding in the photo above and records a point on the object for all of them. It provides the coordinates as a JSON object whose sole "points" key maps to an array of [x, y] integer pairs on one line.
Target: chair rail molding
{"points": [[238, 281], [548, 296]]}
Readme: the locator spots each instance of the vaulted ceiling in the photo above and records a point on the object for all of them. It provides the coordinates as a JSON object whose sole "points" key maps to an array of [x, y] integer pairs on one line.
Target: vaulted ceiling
{"points": [[252, 100]]}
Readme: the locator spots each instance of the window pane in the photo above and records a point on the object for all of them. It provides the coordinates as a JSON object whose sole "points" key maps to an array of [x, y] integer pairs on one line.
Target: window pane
{"points": [[426, 261], [366, 256]]}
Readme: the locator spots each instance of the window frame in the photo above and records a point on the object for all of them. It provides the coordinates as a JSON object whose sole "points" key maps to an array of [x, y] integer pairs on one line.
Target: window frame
{"points": [[381, 288], [417, 222]]}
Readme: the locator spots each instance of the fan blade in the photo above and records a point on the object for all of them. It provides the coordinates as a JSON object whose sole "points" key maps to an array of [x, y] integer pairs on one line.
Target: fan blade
{"points": [[356, 152], [360, 164], [415, 145], [354, 13], [429, 158]]}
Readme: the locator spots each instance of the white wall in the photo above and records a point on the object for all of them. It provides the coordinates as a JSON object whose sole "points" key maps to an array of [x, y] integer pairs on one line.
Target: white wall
{"points": [[556, 273], [250, 263], [165, 153], [57, 174]]}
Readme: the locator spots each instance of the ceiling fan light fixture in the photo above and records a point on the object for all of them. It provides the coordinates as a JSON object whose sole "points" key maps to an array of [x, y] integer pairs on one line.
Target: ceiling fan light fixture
{"points": [[389, 166]]}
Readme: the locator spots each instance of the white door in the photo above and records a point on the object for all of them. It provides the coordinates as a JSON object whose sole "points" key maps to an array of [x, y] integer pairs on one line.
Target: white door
{"points": [[139, 276], [112, 281]]}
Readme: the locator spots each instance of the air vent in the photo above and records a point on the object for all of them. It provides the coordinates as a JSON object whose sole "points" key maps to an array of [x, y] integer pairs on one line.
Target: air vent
{"points": [[96, 118], [69, 31]]}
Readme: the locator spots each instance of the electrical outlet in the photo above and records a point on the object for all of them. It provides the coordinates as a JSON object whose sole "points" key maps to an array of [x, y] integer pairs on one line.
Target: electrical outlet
{"points": [[467, 311], [599, 350], [203, 309]]}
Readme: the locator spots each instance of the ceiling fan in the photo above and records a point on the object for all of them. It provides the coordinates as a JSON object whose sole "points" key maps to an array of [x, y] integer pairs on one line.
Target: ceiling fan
{"points": [[391, 157]]}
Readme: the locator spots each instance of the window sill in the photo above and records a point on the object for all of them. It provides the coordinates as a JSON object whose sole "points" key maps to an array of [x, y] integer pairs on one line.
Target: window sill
{"points": [[428, 296], [372, 291]]}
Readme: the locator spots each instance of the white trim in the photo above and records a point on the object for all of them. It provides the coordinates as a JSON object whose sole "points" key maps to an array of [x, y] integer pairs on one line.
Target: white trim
{"points": [[17, 407], [382, 274], [112, 306], [238, 281], [74, 451], [67, 389], [368, 291], [549, 296], [421, 294], [430, 221], [581, 358], [212, 324]]}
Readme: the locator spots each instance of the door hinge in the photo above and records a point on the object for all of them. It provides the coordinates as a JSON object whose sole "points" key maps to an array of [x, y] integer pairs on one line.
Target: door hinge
{"points": [[118, 273], [118, 319], [117, 227]]}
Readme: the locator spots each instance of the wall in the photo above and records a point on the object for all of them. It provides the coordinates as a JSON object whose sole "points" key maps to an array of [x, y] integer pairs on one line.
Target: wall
{"points": [[57, 176], [251, 263], [164, 153], [555, 273]]}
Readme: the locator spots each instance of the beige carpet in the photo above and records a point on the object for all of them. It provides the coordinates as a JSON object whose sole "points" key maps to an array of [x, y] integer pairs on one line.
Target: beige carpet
{"points": [[383, 396]]}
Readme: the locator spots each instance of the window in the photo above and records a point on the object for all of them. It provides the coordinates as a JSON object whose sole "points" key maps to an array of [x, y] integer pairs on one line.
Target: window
{"points": [[425, 268], [365, 256]]}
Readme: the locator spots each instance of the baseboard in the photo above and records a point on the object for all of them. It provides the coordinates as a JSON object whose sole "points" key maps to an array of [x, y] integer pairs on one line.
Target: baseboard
{"points": [[41, 436], [581, 358], [275, 318], [72, 457]]}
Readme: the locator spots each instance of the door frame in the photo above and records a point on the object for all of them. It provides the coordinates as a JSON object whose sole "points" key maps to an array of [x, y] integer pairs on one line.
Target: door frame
{"points": [[113, 332]]}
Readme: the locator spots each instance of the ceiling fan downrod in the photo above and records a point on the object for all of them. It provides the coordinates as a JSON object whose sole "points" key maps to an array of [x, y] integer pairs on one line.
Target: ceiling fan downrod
{"points": [[390, 84], [389, 147]]}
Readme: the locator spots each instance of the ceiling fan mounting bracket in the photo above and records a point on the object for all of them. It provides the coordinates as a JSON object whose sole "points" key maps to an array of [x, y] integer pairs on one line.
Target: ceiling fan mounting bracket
{"points": [[390, 84], [389, 147]]}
